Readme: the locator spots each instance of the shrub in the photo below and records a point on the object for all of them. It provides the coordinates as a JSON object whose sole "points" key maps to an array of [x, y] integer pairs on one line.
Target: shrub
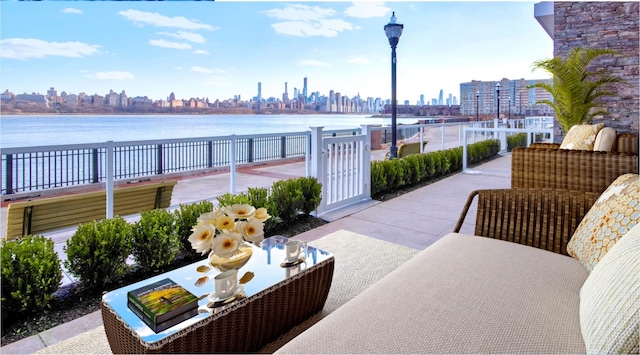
{"points": [[97, 251], [286, 199], [311, 193], [155, 239], [31, 273], [229, 199], [186, 216], [516, 140]]}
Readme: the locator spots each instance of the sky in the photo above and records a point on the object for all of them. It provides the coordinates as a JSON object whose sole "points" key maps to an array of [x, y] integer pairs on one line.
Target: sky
{"points": [[217, 50]]}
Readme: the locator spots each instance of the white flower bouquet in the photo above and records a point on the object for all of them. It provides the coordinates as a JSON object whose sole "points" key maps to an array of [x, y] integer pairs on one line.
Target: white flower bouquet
{"points": [[223, 230]]}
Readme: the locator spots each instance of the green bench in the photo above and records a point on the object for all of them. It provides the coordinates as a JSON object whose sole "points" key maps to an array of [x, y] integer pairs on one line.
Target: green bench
{"points": [[406, 149], [46, 214]]}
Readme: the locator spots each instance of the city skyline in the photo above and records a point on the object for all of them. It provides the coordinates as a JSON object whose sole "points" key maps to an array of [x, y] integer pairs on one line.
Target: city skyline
{"points": [[219, 50]]}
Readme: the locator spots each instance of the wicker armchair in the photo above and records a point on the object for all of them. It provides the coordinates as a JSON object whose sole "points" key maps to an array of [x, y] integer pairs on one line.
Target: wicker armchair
{"points": [[541, 218], [544, 165]]}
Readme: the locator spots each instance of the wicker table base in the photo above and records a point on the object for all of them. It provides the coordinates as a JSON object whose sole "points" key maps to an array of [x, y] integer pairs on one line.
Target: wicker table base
{"points": [[245, 326]]}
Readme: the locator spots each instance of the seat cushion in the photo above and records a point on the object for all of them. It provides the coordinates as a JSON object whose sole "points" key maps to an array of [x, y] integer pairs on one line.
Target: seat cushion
{"points": [[615, 212], [605, 140], [581, 137], [610, 300], [463, 294]]}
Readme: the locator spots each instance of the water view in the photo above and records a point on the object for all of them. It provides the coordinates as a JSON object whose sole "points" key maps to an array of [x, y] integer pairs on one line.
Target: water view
{"points": [[38, 130]]}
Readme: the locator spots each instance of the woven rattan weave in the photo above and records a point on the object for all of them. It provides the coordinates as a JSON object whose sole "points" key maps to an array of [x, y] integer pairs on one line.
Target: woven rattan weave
{"points": [[541, 218]]}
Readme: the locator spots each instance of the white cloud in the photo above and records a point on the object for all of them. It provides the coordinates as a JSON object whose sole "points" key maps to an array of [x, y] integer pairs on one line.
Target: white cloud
{"points": [[313, 63], [70, 10], [307, 21], [359, 60], [111, 75], [155, 19], [25, 48], [189, 36], [201, 51], [167, 44], [367, 9], [207, 71]]}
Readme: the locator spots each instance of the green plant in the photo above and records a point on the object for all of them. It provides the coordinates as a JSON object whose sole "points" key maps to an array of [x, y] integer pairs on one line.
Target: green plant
{"points": [[155, 240], [516, 140], [97, 251], [229, 199], [311, 193], [186, 216], [31, 273], [286, 199], [575, 87]]}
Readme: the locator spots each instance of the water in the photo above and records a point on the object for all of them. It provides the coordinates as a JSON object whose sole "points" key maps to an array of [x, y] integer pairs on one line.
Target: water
{"points": [[35, 130]]}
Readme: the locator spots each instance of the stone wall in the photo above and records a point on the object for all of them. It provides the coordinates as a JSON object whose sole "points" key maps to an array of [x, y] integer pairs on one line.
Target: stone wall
{"points": [[611, 25]]}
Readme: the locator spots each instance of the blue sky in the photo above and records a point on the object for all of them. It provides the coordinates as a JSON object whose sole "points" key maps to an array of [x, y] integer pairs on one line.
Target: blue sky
{"points": [[221, 49]]}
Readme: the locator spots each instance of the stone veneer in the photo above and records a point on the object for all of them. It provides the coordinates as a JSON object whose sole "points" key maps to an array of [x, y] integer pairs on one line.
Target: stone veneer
{"points": [[611, 25]]}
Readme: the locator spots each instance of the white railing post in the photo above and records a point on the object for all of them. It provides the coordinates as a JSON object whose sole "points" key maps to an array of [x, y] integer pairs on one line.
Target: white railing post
{"points": [[232, 164], [109, 184], [307, 157], [421, 138], [316, 165], [366, 157], [464, 149], [442, 135]]}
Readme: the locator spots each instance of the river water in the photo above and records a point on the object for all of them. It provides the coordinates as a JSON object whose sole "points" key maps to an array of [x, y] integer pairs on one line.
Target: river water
{"points": [[38, 130]]}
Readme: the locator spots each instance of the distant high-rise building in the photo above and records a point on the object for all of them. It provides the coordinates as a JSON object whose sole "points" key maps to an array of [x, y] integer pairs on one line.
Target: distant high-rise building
{"points": [[422, 100], [285, 96], [441, 98], [450, 100], [304, 90], [523, 101], [259, 91]]}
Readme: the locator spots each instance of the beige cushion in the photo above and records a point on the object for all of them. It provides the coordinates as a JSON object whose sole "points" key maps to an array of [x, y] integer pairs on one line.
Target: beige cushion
{"points": [[581, 137], [605, 140], [615, 212], [463, 294], [610, 300]]}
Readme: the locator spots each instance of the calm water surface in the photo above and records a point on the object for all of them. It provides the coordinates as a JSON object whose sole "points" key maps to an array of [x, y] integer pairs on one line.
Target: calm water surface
{"points": [[25, 131]]}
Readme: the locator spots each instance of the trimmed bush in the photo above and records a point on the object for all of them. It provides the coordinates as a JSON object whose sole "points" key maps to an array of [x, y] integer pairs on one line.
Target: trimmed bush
{"points": [[287, 200], [155, 239], [516, 140], [311, 193], [97, 252], [389, 175], [186, 216], [31, 273]]}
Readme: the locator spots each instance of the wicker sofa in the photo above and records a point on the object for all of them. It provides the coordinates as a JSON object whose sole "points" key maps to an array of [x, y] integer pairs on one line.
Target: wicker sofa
{"points": [[514, 290], [545, 165]]}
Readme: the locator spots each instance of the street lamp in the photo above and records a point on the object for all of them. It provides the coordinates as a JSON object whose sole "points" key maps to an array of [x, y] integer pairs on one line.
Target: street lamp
{"points": [[477, 103], [509, 114], [498, 97], [393, 31]]}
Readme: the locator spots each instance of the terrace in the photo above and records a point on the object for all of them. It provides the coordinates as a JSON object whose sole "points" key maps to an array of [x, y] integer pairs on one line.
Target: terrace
{"points": [[402, 220]]}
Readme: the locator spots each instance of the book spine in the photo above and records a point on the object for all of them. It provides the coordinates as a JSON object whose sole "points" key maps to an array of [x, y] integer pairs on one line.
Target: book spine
{"points": [[138, 312], [146, 311]]}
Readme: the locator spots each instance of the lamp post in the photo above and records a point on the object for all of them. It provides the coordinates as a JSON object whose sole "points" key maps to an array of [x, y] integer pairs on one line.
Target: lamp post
{"points": [[498, 98], [393, 31], [477, 103], [509, 114]]}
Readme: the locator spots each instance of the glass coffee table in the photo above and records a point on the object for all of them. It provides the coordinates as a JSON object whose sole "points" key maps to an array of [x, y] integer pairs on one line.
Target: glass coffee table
{"points": [[275, 300]]}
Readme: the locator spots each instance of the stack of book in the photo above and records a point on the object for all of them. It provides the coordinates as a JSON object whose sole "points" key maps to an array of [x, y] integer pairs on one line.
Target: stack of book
{"points": [[162, 304]]}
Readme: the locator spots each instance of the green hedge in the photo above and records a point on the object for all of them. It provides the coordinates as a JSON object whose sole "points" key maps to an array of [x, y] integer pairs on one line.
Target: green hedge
{"points": [[389, 175]]}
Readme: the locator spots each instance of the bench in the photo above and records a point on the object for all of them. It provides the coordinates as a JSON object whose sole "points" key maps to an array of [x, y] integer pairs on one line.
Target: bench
{"points": [[45, 214], [406, 149]]}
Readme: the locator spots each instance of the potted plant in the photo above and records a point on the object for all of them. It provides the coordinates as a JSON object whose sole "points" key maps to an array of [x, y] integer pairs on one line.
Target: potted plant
{"points": [[576, 87]]}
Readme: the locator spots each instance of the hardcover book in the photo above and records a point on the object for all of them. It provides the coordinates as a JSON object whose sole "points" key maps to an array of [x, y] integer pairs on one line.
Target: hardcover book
{"points": [[162, 301]]}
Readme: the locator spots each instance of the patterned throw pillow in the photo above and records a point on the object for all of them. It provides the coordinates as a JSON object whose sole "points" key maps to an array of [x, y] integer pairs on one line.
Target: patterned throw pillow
{"points": [[610, 300], [615, 212], [581, 137]]}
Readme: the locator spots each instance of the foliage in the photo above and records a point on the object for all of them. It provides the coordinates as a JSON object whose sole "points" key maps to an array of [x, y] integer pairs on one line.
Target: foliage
{"points": [[575, 87], [155, 239], [186, 216], [287, 200], [31, 273], [311, 193], [229, 199], [389, 175], [97, 251], [516, 140]]}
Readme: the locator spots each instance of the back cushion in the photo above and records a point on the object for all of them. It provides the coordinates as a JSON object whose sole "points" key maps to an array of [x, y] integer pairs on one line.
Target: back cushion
{"points": [[605, 140], [581, 137]]}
